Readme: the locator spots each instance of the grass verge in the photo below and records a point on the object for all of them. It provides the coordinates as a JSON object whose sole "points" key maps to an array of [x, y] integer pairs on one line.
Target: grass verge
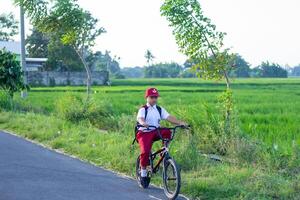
{"points": [[206, 180]]}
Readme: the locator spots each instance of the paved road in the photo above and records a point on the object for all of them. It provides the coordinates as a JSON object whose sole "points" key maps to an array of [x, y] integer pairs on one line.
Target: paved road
{"points": [[31, 172]]}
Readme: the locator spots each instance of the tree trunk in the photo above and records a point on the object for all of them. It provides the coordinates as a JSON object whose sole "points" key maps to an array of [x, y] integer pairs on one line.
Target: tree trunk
{"points": [[88, 79], [88, 73], [226, 79]]}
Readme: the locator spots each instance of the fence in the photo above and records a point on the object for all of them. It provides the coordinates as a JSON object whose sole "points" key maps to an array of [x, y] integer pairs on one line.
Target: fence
{"points": [[50, 78]]}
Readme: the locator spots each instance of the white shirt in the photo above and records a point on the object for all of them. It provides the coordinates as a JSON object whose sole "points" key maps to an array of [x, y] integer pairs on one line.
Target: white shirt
{"points": [[153, 118]]}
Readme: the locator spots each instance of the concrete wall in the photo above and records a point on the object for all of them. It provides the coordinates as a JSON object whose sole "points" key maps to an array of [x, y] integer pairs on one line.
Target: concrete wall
{"points": [[50, 78]]}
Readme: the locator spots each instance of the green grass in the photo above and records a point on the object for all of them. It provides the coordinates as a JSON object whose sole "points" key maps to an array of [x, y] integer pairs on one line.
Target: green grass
{"points": [[210, 180], [268, 109], [266, 166]]}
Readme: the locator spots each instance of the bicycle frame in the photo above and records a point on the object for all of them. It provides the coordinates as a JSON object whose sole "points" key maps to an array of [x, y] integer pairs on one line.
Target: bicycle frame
{"points": [[164, 151], [168, 164]]}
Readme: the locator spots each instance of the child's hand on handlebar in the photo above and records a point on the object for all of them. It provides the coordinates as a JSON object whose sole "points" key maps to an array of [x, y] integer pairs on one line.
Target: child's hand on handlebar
{"points": [[183, 124]]}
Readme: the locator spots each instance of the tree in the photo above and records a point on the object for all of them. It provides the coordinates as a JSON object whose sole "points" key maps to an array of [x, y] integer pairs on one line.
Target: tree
{"points": [[197, 38], [188, 64], [8, 27], [97, 61], [37, 44], [133, 72], [163, 70], [296, 71], [149, 57], [255, 72], [273, 70], [104, 62], [68, 22], [240, 67], [112, 63], [11, 80], [60, 57], [188, 73]]}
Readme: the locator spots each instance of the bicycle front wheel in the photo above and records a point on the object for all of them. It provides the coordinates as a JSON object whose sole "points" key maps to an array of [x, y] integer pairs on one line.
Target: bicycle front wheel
{"points": [[171, 178]]}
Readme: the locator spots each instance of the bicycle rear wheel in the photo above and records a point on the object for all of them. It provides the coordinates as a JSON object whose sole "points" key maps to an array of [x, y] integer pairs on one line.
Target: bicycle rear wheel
{"points": [[171, 178]]}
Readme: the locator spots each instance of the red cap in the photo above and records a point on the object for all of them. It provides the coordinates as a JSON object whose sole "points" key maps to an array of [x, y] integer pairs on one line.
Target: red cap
{"points": [[151, 92]]}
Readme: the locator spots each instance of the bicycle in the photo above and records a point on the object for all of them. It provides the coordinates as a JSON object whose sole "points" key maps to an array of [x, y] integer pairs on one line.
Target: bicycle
{"points": [[171, 172]]}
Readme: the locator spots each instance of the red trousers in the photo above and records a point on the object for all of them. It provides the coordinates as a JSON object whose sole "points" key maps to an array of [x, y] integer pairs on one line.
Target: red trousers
{"points": [[146, 140]]}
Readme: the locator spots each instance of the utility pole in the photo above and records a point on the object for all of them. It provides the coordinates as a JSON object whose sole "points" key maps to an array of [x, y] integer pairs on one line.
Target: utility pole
{"points": [[23, 54]]}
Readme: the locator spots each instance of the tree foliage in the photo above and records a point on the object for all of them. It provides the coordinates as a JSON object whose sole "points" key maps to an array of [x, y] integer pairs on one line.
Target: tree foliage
{"points": [[64, 58], [37, 44], [36, 10], [67, 21], [239, 67], [149, 57], [133, 72], [8, 27], [296, 71], [99, 61], [60, 57], [11, 75], [198, 38], [267, 69], [163, 70]]}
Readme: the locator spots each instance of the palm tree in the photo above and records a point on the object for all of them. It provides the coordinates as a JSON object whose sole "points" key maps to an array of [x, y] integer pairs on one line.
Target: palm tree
{"points": [[149, 57]]}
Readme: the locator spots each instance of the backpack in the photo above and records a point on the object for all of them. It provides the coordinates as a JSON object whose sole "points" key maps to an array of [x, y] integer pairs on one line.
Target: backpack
{"points": [[136, 128]]}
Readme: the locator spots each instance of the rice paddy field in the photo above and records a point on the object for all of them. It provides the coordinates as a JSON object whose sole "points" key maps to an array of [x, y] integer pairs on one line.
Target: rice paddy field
{"points": [[267, 116], [268, 109]]}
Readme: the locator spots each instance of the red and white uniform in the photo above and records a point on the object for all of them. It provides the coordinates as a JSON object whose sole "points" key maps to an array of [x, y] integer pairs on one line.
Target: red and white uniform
{"points": [[146, 138], [153, 118]]}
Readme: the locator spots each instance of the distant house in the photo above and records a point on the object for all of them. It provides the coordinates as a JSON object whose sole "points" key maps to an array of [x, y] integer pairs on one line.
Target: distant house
{"points": [[32, 64], [35, 64]]}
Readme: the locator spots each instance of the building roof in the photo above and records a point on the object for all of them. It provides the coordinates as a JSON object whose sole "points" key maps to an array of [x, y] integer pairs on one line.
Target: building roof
{"points": [[12, 46], [36, 59]]}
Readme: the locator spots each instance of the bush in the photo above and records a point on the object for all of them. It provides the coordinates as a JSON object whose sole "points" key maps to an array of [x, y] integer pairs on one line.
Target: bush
{"points": [[71, 108], [5, 102], [75, 108], [11, 75]]}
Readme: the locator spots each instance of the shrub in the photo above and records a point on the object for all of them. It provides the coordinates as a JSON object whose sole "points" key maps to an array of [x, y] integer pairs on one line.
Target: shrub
{"points": [[75, 108], [5, 101], [100, 114], [71, 108], [11, 75]]}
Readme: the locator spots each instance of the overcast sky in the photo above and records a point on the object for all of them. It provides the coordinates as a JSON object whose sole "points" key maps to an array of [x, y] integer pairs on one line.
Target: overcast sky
{"points": [[259, 30]]}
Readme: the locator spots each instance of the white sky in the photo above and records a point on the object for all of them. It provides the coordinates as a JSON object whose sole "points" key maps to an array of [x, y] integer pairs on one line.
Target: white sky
{"points": [[259, 30]]}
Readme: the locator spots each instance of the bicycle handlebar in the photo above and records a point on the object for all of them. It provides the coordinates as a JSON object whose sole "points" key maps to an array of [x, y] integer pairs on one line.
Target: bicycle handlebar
{"points": [[172, 128]]}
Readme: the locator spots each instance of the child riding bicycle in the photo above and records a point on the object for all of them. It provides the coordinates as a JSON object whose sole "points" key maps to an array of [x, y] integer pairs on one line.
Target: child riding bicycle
{"points": [[150, 115]]}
